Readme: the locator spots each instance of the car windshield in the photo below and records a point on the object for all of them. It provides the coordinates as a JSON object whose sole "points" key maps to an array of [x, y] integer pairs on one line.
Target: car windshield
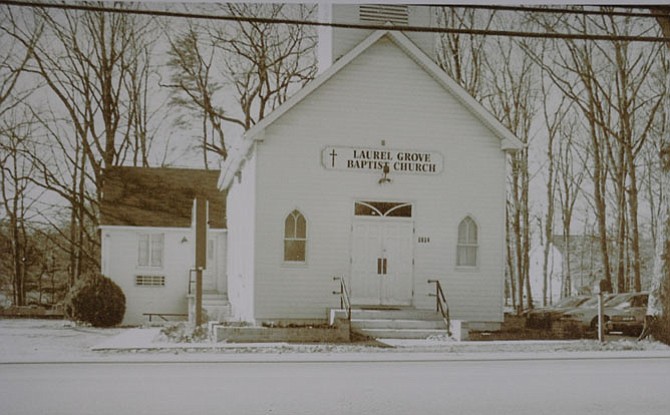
{"points": [[632, 301], [617, 299], [592, 302], [570, 302]]}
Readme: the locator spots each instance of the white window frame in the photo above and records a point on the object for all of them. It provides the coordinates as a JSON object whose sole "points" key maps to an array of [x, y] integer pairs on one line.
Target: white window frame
{"points": [[467, 243], [150, 242]]}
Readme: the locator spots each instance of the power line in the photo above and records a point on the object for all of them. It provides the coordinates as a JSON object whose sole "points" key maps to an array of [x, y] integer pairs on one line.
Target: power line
{"points": [[263, 20], [652, 13]]}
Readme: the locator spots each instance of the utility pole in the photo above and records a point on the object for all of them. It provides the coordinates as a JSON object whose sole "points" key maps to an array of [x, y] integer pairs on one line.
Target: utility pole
{"points": [[200, 253]]}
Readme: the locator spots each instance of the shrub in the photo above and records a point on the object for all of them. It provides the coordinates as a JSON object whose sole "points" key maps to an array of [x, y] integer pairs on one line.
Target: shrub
{"points": [[97, 300], [184, 333]]}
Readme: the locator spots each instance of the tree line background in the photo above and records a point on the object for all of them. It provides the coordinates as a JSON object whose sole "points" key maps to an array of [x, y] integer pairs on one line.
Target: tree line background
{"points": [[81, 91]]}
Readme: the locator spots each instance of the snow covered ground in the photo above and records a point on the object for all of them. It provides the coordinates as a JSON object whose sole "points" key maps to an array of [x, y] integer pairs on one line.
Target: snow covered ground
{"points": [[27, 340]]}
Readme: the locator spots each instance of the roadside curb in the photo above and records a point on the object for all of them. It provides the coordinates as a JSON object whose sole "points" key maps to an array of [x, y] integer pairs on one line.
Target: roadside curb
{"points": [[144, 341], [155, 356]]}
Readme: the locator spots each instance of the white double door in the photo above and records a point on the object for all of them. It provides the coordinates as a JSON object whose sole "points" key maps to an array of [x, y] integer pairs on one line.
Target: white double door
{"points": [[381, 261]]}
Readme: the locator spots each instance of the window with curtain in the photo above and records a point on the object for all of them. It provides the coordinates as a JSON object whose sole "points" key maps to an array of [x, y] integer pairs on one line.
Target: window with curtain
{"points": [[295, 237], [150, 250], [467, 243]]}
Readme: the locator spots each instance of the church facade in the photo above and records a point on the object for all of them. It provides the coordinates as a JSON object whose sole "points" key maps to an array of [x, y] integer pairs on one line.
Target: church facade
{"points": [[382, 171]]}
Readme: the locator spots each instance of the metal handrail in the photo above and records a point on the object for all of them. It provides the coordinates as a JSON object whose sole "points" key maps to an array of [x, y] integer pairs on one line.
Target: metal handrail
{"points": [[345, 302], [190, 280], [441, 303]]}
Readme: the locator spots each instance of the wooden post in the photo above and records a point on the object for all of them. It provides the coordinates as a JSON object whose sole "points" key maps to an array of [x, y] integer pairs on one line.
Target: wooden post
{"points": [[200, 253], [601, 320]]}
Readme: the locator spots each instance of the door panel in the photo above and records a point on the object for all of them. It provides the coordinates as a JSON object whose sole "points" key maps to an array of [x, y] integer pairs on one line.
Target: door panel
{"points": [[366, 249], [397, 248], [381, 271]]}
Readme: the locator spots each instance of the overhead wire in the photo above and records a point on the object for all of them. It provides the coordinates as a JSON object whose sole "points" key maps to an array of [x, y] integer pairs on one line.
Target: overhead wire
{"points": [[564, 10], [263, 20]]}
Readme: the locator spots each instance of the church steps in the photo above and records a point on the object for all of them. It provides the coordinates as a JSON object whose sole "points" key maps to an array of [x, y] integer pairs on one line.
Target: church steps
{"points": [[404, 323], [215, 304], [398, 324]]}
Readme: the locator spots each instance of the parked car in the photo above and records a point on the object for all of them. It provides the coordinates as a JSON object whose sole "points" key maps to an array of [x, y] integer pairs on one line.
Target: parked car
{"points": [[628, 317], [587, 316], [542, 317]]}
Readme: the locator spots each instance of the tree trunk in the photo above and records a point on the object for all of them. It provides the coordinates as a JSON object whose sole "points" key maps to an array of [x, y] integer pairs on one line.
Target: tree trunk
{"points": [[635, 232]]}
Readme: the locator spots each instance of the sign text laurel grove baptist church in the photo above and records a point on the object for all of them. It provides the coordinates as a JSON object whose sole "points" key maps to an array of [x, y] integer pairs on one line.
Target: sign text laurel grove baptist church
{"points": [[374, 159]]}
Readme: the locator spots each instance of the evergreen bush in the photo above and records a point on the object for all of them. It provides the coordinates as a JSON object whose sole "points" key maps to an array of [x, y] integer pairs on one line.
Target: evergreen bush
{"points": [[97, 300]]}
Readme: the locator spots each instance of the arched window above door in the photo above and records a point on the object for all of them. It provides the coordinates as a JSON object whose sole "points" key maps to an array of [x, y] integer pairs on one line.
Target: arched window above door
{"points": [[467, 247], [383, 209], [295, 237]]}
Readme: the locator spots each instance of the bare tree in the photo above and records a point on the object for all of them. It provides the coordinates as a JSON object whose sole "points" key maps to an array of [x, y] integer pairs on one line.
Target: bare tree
{"points": [[195, 89], [513, 101], [259, 64], [13, 61], [265, 63], [609, 82], [17, 193], [570, 170], [659, 296], [94, 67], [462, 56], [554, 118]]}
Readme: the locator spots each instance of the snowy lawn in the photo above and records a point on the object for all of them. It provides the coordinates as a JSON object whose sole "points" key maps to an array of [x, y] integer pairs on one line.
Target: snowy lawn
{"points": [[27, 340]]}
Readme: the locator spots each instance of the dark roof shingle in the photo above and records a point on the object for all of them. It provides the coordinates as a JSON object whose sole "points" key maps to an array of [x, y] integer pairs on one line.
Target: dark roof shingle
{"points": [[159, 197]]}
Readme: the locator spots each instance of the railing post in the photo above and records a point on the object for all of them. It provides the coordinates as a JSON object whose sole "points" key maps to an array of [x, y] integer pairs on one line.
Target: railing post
{"points": [[441, 305], [345, 302]]}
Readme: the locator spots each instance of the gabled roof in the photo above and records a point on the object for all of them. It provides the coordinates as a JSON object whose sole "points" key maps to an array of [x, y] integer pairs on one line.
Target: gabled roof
{"points": [[509, 142], [159, 197]]}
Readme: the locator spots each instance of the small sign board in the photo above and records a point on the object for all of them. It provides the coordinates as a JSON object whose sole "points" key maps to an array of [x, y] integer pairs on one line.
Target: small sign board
{"points": [[374, 160]]}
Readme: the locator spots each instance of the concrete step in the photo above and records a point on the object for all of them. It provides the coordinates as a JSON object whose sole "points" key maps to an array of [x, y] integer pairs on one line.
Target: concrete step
{"points": [[215, 303], [403, 323], [214, 296], [401, 333], [217, 313], [397, 324], [401, 314]]}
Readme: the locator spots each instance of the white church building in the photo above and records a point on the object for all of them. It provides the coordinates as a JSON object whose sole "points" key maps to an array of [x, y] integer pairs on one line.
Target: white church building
{"points": [[382, 171]]}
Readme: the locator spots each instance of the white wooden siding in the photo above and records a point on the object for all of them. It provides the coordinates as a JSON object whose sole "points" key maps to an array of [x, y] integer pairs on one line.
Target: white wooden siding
{"points": [[240, 212], [120, 263], [120, 246], [218, 267], [381, 95]]}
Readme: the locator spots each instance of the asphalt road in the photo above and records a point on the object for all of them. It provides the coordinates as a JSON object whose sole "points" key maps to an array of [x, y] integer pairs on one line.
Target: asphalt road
{"points": [[600, 386]]}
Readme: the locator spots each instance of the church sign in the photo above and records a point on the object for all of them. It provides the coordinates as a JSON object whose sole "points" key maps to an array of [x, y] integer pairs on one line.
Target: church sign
{"points": [[374, 159]]}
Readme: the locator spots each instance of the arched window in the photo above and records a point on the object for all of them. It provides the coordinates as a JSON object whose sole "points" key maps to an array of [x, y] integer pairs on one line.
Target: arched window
{"points": [[295, 237], [467, 243]]}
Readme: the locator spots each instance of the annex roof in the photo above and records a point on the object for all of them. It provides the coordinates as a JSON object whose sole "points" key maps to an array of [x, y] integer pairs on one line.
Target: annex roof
{"points": [[509, 142], [159, 197]]}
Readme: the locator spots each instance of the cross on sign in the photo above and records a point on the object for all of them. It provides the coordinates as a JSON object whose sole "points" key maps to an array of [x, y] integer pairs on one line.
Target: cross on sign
{"points": [[332, 155]]}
